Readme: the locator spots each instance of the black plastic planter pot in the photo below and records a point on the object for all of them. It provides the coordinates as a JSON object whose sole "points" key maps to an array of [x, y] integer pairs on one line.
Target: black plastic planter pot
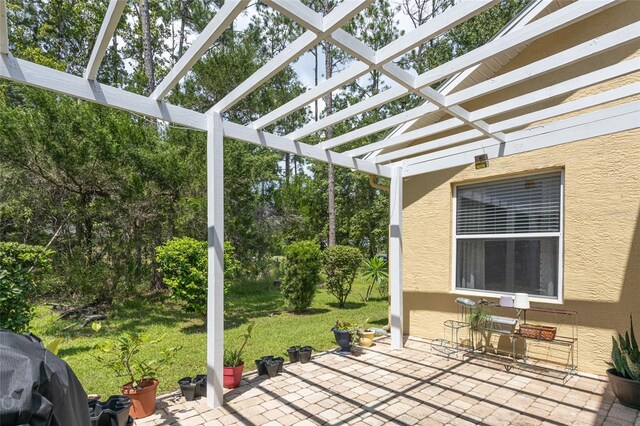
{"points": [[343, 339], [201, 385], [294, 354], [280, 362], [272, 368], [113, 412], [188, 390], [305, 354], [262, 369]]}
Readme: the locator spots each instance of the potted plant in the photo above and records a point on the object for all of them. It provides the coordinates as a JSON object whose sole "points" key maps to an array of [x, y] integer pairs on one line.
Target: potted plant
{"points": [[624, 375], [234, 364], [366, 337], [123, 356], [346, 335]]}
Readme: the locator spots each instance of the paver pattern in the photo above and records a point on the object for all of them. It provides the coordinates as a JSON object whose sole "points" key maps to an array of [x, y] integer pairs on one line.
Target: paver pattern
{"points": [[413, 386]]}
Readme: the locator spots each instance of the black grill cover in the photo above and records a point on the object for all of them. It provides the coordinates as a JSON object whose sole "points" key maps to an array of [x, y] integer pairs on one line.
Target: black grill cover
{"points": [[36, 387]]}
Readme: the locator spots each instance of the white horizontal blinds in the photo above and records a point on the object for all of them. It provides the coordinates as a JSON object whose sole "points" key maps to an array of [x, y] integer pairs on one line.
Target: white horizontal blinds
{"points": [[514, 206]]}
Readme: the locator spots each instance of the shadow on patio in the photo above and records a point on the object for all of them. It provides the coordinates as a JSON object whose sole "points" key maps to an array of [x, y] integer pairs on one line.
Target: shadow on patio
{"points": [[414, 386]]}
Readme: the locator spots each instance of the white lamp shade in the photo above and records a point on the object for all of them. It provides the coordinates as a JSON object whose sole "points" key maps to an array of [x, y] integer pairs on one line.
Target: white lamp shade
{"points": [[506, 301], [521, 301]]}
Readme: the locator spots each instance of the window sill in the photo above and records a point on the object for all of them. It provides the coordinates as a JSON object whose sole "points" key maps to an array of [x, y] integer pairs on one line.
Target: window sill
{"points": [[496, 295]]}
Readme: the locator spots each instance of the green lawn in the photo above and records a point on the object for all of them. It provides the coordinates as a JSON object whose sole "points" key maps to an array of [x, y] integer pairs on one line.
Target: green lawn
{"points": [[274, 331]]}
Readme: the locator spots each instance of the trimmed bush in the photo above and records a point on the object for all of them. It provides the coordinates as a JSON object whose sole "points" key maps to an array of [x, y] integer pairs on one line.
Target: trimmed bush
{"points": [[19, 264], [341, 264], [301, 274], [183, 263]]}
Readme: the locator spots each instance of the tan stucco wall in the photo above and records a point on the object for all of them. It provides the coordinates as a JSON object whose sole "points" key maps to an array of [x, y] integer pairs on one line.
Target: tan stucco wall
{"points": [[601, 256]]}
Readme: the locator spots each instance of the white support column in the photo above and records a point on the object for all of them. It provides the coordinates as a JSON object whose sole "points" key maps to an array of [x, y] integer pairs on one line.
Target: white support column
{"points": [[215, 273], [395, 257], [4, 30]]}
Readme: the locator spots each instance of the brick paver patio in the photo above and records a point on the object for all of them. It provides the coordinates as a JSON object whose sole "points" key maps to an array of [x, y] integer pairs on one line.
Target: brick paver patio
{"points": [[413, 386]]}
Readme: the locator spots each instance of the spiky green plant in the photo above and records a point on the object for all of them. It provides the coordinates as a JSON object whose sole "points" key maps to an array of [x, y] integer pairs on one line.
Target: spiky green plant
{"points": [[625, 355]]}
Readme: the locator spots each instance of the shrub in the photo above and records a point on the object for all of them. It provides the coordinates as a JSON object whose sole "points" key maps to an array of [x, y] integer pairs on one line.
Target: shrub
{"points": [[375, 270], [341, 264], [183, 263], [301, 274], [19, 264]]}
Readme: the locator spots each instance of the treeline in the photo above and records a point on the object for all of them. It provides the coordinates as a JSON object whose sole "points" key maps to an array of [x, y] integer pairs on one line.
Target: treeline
{"points": [[105, 188]]}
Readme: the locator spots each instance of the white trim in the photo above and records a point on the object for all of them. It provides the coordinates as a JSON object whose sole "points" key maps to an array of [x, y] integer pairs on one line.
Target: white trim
{"points": [[214, 29], [559, 299], [4, 29], [108, 27], [215, 255], [395, 257]]}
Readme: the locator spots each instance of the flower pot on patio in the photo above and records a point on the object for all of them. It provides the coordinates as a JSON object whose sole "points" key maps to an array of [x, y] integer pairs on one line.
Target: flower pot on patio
{"points": [[280, 362], [343, 339], [232, 376], [143, 400], [305, 354], [626, 390], [114, 411], [188, 388], [201, 385], [366, 338], [294, 354], [262, 370], [272, 367]]}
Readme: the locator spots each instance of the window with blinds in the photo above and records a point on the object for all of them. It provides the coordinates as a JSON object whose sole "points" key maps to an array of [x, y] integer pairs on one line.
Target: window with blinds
{"points": [[508, 236]]}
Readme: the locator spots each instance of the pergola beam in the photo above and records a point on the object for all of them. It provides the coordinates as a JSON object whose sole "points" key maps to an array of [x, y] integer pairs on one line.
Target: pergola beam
{"points": [[395, 257], [26, 72], [379, 126], [223, 19], [527, 99], [522, 120], [611, 120], [284, 144], [436, 26], [4, 29], [564, 17], [561, 59], [555, 21], [368, 104], [339, 16], [108, 27]]}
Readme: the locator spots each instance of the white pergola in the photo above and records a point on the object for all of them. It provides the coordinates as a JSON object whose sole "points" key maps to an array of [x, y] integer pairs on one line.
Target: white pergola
{"points": [[396, 157]]}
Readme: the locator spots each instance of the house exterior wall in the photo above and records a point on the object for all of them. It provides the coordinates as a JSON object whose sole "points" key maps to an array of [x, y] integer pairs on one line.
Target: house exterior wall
{"points": [[601, 258]]}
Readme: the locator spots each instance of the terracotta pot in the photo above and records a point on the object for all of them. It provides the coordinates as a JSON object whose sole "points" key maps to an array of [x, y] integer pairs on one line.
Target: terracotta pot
{"points": [[366, 338], [143, 401], [232, 376], [626, 390]]}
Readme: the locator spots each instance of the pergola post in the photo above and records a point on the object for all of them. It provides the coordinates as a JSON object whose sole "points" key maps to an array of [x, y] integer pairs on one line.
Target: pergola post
{"points": [[215, 271], [395, 257]]}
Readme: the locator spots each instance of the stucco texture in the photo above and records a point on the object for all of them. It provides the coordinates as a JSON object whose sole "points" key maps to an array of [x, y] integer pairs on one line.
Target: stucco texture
{"points": [[601, 258]]}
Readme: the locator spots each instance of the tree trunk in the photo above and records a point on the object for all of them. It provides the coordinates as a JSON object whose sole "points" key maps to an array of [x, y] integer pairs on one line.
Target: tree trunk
{"points": [[183, 19], [147, 50], [328, 65]]}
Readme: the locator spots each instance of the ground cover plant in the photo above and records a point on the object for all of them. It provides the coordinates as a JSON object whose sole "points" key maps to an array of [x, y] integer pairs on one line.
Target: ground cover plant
{"points": [[159, 315]]}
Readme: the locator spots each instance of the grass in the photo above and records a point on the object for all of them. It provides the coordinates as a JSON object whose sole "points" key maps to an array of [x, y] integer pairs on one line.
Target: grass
{"points": [[158, 315]]}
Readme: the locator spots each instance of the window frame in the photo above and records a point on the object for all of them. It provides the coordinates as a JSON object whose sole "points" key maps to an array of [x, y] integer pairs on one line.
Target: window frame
{"points": [[559, 299]]}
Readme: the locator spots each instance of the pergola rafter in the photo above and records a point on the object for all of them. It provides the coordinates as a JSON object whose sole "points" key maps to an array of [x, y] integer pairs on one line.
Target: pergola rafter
{"points": [[472, 134], [109, 24]]}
